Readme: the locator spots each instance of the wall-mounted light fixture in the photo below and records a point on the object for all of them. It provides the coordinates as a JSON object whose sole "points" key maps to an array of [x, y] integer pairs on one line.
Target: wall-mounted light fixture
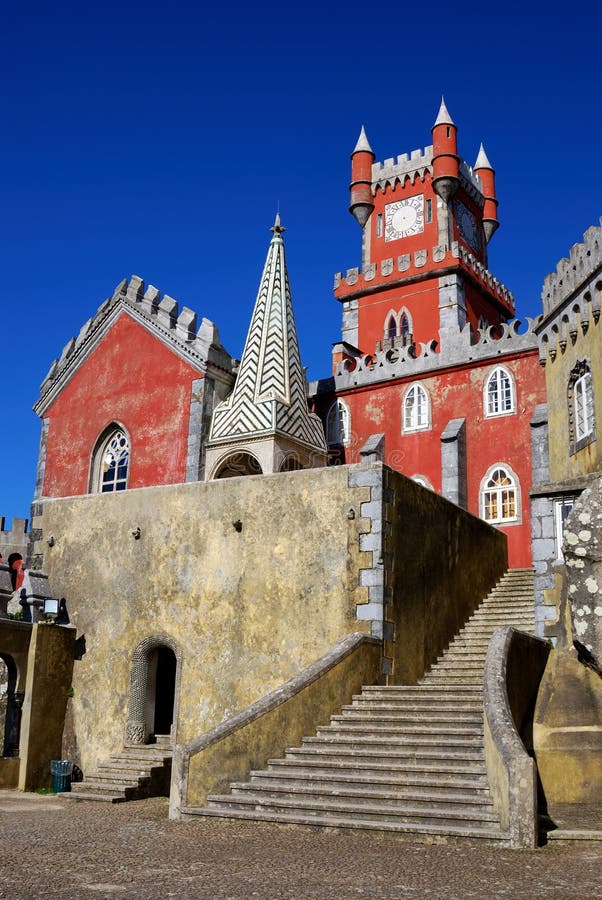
{"points": [[51, 541]]}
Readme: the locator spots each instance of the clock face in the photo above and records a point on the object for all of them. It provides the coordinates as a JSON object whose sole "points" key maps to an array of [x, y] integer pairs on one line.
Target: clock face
{"points": [[404, 218], [467, 226]]}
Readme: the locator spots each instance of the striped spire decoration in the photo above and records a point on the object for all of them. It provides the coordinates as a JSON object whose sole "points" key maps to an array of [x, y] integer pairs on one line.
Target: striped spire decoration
{"points": [[266, 415]]}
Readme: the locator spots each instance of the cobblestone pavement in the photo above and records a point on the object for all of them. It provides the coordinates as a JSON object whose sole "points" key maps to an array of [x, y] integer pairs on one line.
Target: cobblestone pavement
{"points": [[65, 849]]}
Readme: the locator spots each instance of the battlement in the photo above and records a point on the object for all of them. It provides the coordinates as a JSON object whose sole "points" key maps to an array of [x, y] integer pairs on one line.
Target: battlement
{"points": [[355, 282], [489, 342], [13, 540], [176, 327], [572, 274], [390, 171], [471, 183]]}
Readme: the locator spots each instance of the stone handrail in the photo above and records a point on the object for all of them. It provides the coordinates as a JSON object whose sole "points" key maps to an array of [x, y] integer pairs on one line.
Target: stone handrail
{"points": [[513, 670], [227, 752]]}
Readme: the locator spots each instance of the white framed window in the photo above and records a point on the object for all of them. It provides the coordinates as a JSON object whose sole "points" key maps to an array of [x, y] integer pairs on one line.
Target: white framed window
{"points": [[500, 495], [581, 410], [499, 395], [338, 423], [562, 509], [398, 325], [416, 409], [111, 461], [584, 406]]}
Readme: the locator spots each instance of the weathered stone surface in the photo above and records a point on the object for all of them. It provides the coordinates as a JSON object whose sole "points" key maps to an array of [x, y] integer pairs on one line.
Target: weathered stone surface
{"points": [[583, 556]]}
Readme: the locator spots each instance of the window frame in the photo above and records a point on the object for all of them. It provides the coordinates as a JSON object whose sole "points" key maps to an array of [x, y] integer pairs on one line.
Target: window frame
{"points": [[342, 435], [581, 388], [96, 479], [498, 372], [486, 490], [423, 425]]}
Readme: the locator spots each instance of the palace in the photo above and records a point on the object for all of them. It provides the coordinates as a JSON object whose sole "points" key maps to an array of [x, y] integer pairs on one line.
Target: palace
{"points": [[242, 557]]}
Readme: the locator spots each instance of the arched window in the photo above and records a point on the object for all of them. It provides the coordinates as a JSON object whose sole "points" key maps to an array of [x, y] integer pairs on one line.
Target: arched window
{"points": [[500, 495], [416, 409], [499, 393], [404, 324], [581, 412], [338, 423], [111, 461], [392, 327]]}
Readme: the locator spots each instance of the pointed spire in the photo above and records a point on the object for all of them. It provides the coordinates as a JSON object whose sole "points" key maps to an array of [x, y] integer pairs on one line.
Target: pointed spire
{"points": [[267, 410], [277, 227], [482, 161], [363, 144], [443, 117]]}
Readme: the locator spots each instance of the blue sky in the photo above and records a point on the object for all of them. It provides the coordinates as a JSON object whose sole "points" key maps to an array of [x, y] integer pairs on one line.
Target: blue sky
{"points": [[138, 143]]}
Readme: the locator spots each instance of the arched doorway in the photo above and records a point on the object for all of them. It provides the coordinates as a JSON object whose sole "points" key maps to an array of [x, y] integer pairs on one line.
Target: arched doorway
{"points": [[11, 702], [154, 688]]}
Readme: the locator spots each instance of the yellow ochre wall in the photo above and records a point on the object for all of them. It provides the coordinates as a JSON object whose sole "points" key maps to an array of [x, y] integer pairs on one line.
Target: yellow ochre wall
{"points": [[587, 346]]}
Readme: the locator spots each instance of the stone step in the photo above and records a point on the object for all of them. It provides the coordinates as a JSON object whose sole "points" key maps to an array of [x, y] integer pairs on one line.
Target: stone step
{"points": [[88, 795], [465, 803], [473, 730], [103, 789], [438, 770], [418, 742], [433, 785], [386, 756], [414, 830], [464, 720], [108, 777], [383, 812]]}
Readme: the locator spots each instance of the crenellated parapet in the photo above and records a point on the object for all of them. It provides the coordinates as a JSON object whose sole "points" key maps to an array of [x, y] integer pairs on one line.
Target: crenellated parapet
{"points": [[400, 269], [177, 327], [489, 342], [413, 165], [575, 274], [571, 296]]}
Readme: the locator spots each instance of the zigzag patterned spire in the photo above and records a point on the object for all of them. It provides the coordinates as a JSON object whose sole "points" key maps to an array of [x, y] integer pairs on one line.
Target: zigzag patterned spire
{"points": [[270, 393]]}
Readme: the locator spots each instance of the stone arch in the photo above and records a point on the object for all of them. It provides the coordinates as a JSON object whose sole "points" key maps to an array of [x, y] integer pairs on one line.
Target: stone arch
{"points": [[237, 464], [11, 702], [145, 689]]}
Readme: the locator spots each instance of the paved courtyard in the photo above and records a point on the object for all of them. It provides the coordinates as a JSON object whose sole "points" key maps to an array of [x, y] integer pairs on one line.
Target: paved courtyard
{"points": [[58, 848]]}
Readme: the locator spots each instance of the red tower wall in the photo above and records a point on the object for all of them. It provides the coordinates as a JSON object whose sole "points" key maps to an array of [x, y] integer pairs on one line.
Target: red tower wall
{"points": [[457, 393], [133, 379]]}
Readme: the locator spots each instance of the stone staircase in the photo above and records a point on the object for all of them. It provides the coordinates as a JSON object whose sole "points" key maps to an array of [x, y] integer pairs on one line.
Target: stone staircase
{"points": [[133, 774], [406, 759]]}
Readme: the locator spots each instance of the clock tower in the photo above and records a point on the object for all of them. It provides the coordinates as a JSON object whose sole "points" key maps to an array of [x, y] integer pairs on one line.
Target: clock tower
{"points": [[432, 374], [426, 220]]}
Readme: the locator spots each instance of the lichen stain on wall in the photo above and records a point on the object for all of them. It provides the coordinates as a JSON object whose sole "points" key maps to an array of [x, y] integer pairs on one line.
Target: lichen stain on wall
{"points": [[249, 609]]}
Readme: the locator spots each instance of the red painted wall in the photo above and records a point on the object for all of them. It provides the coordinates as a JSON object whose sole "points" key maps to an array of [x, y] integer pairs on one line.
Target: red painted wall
{"points": [[457, 393], [135, 380]]}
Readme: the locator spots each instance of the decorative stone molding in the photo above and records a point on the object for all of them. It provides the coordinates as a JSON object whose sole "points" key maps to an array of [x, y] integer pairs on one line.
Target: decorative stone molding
{"points": [[136, 729], [456, 348]]}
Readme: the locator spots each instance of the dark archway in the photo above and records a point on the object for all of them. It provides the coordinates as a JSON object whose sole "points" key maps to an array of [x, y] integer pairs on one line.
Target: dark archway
{"points": [[11, 703], [164, 693], [154, 689]]}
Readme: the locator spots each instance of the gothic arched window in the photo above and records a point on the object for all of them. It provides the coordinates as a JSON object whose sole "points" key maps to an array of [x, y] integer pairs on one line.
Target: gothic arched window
{"points": [[404, 324], [338, 423], [582, 420], [111, 461], [499, 393], [416, 409], [500, 495], [392, 327]]}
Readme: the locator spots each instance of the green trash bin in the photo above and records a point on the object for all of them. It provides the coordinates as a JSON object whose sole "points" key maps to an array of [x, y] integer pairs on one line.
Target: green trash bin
{"points": [[61, 771]]}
